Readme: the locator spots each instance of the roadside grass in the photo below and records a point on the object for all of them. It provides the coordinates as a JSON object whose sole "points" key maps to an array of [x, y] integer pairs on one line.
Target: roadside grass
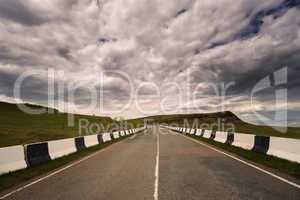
{"points": [[17, 127], [281, 165], [16, 178], [20, 128]]}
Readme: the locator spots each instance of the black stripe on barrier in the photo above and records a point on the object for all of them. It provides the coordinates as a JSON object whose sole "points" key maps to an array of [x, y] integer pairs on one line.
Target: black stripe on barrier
{"points": [[79, 143], [185, 131], [213, 135], [100, 139], [202, 132], [111, 136], [37, 154], [195, 131], [261, 144], [230, 138]]}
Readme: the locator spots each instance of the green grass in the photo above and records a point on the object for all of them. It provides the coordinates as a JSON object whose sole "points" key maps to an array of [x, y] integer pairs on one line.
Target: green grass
{"points": [[16, 178], [17, 127], [281, 165]]}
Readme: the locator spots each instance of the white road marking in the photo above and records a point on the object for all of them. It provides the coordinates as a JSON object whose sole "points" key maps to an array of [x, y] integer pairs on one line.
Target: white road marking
{"points": [[55, 172], [156, 169], [132, 137], [246, 163]]}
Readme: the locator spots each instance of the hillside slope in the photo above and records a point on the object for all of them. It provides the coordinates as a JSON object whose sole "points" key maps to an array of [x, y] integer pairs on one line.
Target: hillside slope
{"points": [[17, 127], [222, 121]]}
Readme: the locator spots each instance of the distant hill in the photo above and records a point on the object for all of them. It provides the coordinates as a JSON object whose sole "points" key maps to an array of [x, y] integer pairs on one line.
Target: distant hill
{"points": [[17, 127], [203, 117], [9, 107], [222, 121]]}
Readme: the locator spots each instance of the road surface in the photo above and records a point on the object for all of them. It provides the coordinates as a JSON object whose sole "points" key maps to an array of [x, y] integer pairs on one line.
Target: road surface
{"points": [[156, 165]]}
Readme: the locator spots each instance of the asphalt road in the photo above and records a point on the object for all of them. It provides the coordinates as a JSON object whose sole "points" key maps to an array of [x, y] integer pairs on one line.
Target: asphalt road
{"points": [[185, 169]]}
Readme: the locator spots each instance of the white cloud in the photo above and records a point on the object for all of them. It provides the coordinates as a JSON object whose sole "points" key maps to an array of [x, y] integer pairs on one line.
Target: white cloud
{"points": [[164, 42]]}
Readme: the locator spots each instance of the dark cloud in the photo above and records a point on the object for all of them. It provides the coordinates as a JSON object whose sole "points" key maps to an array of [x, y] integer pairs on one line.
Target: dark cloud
{"points": [[33, 89], [180, 12], [245, 82], [207, 44], [9, 56], [65, 53], [102, 41], [19, 12], [257, 21]]}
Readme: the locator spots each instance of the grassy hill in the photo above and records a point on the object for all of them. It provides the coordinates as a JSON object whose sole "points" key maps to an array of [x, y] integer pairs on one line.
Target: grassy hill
{"points": [[227, 118], [17, 127]]}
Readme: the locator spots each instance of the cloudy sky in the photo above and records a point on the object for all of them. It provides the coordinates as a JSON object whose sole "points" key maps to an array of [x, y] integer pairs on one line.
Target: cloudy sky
{"points": [[136, 58]]}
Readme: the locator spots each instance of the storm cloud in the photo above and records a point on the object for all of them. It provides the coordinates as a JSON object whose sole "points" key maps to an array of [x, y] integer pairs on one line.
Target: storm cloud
{"points": [[146, 54]]}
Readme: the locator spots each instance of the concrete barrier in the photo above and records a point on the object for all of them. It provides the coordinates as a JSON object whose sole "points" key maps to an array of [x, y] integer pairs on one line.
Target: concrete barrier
{"points": [[12, 159], [127, 132], [261, 144], [79, 143], [194, 131], [230, 138], [285, 148], [122, 133], [100, 139], [184, 130], [198, 132], [212, 135], [37, 153], [221, 136], [116, 135], [60, 148], [106, 137], [244, 141], [188, 130], [207, 134], [91, 140], [18, 157]]}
